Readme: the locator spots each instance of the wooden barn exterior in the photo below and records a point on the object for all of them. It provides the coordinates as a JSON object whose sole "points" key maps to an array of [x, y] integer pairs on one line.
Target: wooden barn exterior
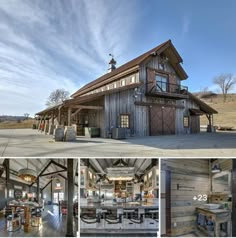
{"points": [[145, 96]]}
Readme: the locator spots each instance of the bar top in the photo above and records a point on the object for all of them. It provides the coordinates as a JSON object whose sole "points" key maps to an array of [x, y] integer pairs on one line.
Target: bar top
{"points": [[110, 205], [215, 211]]}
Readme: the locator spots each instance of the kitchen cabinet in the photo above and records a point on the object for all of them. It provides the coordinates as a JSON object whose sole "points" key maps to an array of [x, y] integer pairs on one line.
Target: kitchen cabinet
{"points": [[151, 179], [88, 178]]}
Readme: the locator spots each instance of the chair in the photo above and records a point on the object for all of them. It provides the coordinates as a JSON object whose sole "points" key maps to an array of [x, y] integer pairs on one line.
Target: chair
{"points": [[13, 222], [36, 217]]}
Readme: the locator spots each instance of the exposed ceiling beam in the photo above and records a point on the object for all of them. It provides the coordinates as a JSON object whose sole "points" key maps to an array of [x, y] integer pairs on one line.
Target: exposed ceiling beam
{"points": [[46, 185], [56, 172], [59, 165], [97, 164], [49, 163]]}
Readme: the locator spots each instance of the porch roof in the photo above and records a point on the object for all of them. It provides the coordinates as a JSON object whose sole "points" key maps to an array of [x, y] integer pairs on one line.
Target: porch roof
{"points": [[202, 105]]}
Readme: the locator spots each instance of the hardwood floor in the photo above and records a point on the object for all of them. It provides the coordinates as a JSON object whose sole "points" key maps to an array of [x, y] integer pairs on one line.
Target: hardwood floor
{"points": [[53, 225]]}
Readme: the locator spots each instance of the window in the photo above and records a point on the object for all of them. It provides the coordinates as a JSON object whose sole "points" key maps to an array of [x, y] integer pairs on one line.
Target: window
{"points": [[124, 120], [61, 196], [123, 82], [11, 193], [161, 83], [186, 121]]}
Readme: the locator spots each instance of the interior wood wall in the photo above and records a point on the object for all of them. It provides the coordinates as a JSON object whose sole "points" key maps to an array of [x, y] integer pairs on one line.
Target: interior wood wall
{"points": [[192, 175]]}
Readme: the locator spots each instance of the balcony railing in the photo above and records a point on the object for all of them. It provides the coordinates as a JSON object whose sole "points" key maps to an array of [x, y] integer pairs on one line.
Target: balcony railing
{"points": [[169, 88]]}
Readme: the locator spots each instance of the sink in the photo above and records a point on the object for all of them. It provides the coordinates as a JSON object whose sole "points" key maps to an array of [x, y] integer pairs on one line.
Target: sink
{"points": [[211, 206]]}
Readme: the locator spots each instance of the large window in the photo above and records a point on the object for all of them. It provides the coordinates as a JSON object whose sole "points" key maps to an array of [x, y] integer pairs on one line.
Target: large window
{"points": [[124, 120], [161, 83]]}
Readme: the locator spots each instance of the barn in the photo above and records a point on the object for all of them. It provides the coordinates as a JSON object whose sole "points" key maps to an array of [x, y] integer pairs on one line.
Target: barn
{"points": [[143, 97]]}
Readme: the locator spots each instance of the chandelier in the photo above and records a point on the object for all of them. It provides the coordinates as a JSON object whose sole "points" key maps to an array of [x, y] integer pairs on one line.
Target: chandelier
{"points": [[28, 175]]}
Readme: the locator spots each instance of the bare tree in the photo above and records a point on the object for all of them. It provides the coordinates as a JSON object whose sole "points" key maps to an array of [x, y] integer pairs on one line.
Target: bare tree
{"points": [[56, 97], [226, 83], [26, 115]]}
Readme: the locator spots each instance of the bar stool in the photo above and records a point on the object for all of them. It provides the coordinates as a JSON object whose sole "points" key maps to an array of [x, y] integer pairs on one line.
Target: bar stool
{"points": [[13, 223], [154, 214], [21, 213], [36, 217]]}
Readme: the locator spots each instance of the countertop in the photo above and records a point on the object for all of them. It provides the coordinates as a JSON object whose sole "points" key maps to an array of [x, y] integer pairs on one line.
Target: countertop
{"points": [[105, 205], [215, 211]]}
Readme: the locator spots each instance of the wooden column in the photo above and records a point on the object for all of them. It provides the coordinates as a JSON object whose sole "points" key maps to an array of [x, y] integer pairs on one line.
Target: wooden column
{"points": [[69, 117], [7, 169], [70, 185], [234, 198], [59, 115], [51, 192], [38, 190]]}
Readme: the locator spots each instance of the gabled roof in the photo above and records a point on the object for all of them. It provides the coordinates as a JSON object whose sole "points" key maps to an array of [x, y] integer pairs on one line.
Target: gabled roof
{"points": [[202, 105], [136, 62]]}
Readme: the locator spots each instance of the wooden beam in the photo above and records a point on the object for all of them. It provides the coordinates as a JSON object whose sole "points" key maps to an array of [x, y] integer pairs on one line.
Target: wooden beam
{"points": [[7, 168], [88, 107], [42, 172], [76, 112], [70, 186], [69, 117], [46, 185], [56, 172], [59, 165]]}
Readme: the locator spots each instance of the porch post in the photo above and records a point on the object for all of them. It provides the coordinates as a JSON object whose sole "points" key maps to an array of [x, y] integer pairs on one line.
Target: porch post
{"points": [[59, 115], [69, 117], [70, 185]]}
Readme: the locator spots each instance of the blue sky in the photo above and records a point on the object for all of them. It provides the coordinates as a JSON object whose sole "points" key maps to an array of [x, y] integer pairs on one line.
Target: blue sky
{"points": [[45, 45]]}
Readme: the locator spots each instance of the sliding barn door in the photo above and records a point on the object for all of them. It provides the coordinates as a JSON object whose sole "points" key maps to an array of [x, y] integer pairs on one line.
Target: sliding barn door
{"points": [[162, 120]]}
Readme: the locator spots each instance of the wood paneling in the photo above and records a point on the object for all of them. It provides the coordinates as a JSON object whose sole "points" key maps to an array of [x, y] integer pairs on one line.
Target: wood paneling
{"points": [[123, 103], [188, 178]]}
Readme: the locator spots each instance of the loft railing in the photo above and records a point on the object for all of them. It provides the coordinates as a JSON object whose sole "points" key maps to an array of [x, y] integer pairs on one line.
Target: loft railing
{"points": [[164, 87]]}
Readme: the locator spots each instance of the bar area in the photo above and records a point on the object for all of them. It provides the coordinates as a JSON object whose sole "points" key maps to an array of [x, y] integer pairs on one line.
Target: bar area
{"points": [[119, 197], [38, 197]]}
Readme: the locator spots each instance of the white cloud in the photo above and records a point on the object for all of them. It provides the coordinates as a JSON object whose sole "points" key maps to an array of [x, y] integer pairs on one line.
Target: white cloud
{"points": [[46, 45], [185, 24]]}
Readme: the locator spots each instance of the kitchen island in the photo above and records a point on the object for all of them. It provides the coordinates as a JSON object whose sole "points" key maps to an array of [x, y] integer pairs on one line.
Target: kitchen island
{"points": [[120, 217]]}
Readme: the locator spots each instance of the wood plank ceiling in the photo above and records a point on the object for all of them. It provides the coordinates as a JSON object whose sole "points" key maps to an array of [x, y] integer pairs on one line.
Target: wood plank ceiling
{"points": [[100, 165], [38, 165]]}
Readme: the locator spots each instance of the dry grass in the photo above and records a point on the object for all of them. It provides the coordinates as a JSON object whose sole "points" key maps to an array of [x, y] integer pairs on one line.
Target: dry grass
{"points": [[226, 111], [16, 125]]}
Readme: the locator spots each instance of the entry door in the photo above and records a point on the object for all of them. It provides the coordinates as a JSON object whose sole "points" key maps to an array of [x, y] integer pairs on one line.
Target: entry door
{"points": [[195, 124], [162, 120]]}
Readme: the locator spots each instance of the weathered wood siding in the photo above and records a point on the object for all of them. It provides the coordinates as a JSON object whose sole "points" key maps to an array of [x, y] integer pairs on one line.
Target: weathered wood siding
{"points": [[192, 177], [153, 63], [181, 112], [123, 103]]}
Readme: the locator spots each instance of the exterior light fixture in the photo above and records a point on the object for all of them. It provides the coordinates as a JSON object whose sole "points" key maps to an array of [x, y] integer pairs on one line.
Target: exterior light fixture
{"points": [[28, 175], [216, 169]]}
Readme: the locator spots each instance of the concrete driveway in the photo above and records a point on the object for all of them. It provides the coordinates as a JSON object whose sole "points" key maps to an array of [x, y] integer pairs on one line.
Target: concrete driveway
{"points": [[31, 143]]}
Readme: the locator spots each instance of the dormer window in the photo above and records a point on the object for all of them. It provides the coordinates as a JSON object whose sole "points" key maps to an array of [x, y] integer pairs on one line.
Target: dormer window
{"points": [[161, 83]]}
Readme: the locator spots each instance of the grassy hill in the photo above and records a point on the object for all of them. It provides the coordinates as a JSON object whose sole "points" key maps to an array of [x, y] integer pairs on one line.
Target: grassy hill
{"points": [[19, 124], [226, 111]]}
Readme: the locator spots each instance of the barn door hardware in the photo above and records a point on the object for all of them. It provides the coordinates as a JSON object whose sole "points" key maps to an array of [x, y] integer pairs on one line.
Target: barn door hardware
{"points": [[182, 186]]}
